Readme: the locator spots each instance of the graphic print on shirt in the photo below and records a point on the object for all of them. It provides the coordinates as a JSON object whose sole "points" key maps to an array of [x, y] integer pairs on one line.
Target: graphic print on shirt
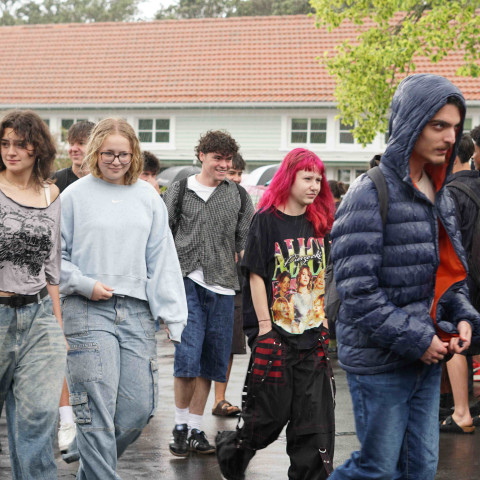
{"points": [[26, 240], [298, 284]]}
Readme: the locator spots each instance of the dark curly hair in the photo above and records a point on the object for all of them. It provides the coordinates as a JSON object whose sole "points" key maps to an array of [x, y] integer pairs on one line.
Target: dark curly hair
{"points": [[150, 162], [475, 134], [466, 148], [34, 131], [238, 162], [216, 141]]}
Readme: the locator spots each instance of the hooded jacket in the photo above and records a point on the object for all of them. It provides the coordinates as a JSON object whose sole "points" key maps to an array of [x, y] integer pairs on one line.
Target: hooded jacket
{"points": [[403, 283]]}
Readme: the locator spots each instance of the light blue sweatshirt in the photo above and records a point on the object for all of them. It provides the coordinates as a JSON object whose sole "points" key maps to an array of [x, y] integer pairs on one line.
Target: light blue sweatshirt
{"points": [[119, 235]]}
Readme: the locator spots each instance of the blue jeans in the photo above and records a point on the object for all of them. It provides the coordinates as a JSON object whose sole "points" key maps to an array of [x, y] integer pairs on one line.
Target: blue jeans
{"points": [[207, 339], [32, 367], [112, 375], [396, 416]]}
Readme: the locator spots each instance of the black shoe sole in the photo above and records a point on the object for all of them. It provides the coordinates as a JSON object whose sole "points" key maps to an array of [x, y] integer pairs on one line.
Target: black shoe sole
{"points": [[178, 454]]}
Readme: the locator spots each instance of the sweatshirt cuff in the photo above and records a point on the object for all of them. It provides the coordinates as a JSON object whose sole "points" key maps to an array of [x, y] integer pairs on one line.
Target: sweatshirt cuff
{"points": [[175, 330], [85, 286]]}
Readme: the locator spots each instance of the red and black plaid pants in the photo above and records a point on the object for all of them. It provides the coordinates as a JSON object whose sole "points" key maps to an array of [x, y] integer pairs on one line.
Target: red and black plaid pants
{"points": [[286, 386]]}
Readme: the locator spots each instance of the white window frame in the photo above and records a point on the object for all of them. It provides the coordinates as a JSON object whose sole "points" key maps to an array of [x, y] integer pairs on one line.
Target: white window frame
{"points": [[170, 145], [340, 131], [471, 125], [75, 120], [309, 119]]}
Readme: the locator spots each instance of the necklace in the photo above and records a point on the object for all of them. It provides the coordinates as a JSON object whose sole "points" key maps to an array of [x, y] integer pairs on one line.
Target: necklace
{"points": [[15, 184]]}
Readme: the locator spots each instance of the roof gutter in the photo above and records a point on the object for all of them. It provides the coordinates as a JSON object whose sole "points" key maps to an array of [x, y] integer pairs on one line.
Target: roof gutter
{"points": [[171, 105]]}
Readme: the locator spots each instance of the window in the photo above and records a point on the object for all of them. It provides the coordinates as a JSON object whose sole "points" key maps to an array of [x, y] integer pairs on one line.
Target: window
{"points": [[467, 125], [359, 172], [343, 175], [345, 133], [152, 130], [66, 123], [308, 130], [47, 122]]}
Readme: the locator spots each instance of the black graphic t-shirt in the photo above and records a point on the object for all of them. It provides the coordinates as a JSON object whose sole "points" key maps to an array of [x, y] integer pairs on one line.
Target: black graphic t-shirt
{"points": [[30, 246], [284, 251]]}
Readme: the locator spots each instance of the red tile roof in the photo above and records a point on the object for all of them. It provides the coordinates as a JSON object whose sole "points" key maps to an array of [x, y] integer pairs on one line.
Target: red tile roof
{"points": [[249, 59]]}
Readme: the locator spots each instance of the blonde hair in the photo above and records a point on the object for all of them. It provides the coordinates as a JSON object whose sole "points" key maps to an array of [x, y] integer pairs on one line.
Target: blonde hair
{"points": [[112, 126]]}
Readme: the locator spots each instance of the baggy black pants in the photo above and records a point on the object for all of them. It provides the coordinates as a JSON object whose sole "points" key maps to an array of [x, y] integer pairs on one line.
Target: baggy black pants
{"points": [[283, 386]]}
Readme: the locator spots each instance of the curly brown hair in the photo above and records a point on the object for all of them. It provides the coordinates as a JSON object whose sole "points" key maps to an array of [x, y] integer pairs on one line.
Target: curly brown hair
{"points": [[216, 141], [34, 131]]}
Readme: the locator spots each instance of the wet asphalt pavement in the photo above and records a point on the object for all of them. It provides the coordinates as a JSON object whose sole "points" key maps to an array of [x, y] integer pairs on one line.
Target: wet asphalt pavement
{"points": [[149, 457]]}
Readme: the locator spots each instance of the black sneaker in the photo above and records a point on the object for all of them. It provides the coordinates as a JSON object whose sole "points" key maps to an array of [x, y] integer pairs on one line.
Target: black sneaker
{"points": [[178, 444], [198, 442]]}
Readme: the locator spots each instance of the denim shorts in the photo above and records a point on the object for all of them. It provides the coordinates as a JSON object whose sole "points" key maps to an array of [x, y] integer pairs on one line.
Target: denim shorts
{"points": [[207, 339]]}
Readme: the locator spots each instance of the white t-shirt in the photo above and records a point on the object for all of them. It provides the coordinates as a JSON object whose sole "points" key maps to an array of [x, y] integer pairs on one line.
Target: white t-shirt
{"points": [[204, 193], [425, 185]]}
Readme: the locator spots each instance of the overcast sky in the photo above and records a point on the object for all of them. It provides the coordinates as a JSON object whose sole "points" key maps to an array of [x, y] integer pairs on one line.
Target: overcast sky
{"points": [[148, 8]]}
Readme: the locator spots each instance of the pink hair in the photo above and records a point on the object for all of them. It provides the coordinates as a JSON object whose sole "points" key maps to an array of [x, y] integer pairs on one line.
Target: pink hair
{"points": [[321, 212]]}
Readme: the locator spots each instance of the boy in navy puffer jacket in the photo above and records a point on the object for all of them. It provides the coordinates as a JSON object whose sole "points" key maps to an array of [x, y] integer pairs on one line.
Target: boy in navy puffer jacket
{"points": [[405, 304]]}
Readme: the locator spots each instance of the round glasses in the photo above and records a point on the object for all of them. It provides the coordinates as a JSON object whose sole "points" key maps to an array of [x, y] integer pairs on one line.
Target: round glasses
{"points": [[123, 157]]}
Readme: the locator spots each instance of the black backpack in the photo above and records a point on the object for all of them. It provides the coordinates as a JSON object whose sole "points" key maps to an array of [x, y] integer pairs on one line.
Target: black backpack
{"points": [[332, 300], [181, 193], [474, 257]]}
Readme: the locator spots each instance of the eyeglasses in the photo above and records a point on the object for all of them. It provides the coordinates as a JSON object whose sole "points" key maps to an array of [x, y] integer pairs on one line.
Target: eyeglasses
{"points": [[109, 157]]}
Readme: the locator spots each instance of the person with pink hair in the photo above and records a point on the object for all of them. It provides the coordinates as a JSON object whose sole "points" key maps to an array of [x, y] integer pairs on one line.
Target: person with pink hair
{"points": [[289, 371]]}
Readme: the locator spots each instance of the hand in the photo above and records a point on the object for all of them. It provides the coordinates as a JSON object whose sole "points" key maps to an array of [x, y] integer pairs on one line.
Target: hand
{"points": [[167, 331], [101, 292], [264, 326], [435, 352], [462, 342]]}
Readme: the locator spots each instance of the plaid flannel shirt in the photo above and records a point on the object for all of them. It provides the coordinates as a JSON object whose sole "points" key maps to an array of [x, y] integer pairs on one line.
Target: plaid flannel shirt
{"points": [[209, 233]]}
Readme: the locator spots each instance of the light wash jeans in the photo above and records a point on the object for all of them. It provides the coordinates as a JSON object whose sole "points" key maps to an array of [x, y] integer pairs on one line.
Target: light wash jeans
{"points": [[396, 416], [32, 367], [112, 375]]}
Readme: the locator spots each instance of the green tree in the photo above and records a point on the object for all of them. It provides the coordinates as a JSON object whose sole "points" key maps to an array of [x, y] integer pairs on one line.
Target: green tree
{"points": [[369, 67], [273, 7], [66, 11], [233, 8], [198, 9]]}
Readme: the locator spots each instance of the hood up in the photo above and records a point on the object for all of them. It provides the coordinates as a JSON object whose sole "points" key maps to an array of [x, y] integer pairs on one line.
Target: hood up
{"points": [[416, 100]]}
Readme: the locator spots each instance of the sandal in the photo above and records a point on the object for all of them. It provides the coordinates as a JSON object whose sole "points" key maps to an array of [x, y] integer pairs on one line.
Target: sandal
{"points": [[225, 409], [450, 426]]}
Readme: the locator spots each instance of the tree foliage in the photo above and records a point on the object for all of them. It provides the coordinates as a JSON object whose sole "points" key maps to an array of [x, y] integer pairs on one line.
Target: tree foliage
{"points": [[369, 67], [233, 8], [17, 12], [273, 7]]}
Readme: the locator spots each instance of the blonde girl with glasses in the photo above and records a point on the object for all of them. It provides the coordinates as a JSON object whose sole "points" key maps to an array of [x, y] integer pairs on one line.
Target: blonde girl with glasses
{"points": [[120, 277]]}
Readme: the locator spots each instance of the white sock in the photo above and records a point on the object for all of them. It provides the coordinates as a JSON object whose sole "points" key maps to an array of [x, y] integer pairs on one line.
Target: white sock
{"points": [[181, 415], [66, 414], [194, 421]]}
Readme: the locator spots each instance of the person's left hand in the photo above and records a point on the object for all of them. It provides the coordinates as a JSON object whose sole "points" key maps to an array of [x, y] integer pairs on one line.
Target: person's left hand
{"points": [[462, 342]]}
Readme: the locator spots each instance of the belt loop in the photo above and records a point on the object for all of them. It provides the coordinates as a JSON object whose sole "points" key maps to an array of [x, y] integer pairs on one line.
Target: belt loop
{"points": [[39, 298]]}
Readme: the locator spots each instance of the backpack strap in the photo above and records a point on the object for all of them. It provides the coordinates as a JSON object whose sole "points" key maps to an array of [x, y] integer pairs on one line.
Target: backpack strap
{"points": [[378, 178], [469, 192], [475, 253], [178, 206], [243, 198]]}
